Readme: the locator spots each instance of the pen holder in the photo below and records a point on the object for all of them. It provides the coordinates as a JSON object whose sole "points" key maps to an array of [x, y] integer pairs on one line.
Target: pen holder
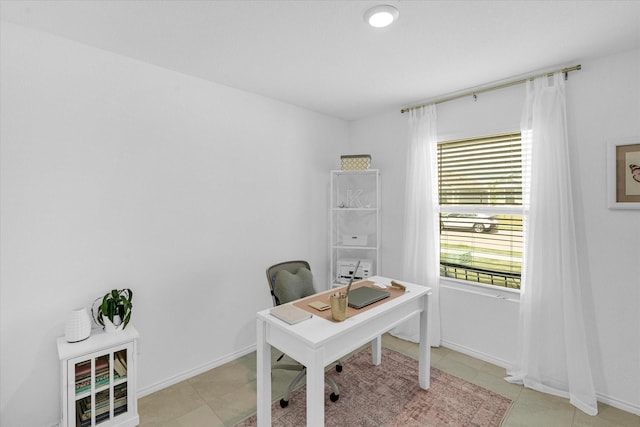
{"points": [[338, 304]]}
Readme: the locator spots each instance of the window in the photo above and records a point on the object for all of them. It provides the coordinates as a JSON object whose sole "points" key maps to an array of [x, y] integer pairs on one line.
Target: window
{"points": [[480, 193]]}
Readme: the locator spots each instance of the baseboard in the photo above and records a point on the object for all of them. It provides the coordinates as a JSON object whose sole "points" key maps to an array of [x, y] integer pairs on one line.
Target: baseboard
{"points": [[193, 372], [616, 403], [478, 355]]}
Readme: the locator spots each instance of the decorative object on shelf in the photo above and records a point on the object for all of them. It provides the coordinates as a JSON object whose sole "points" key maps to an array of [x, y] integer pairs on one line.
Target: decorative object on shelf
{"points": [[355, 162], [624, 175], [78, 327], [114, 311], [353, 198]]}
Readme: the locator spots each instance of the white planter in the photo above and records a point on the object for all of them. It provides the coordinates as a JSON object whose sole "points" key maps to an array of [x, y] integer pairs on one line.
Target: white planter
{"points": [[116, 326]]}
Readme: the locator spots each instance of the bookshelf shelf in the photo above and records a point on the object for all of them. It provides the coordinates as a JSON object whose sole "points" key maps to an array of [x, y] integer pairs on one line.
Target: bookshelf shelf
{"points": [[98, 380], [354, 224]]}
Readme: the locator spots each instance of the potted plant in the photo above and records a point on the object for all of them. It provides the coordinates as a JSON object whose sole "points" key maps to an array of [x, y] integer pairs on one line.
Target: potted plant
{"points": [[114, 311]]}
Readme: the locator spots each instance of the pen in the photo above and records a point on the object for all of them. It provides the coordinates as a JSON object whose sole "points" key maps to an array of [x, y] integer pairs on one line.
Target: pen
{"points": [[352, 276]]}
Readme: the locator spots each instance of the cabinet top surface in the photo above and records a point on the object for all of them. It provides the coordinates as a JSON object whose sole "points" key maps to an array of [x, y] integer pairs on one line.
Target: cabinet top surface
{"points": [[98, 340]]}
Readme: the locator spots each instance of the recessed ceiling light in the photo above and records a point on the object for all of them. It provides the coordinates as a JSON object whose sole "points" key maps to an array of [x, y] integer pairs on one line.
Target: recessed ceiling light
{"points": [[381, 16]]}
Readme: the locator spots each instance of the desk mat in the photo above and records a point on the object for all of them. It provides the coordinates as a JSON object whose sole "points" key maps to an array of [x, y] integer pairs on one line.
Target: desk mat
{"points": [[324, 297]]}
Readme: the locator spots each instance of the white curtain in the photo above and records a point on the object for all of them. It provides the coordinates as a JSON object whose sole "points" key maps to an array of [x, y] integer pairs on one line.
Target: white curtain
{"points": [[552, 349], [421, 223]]}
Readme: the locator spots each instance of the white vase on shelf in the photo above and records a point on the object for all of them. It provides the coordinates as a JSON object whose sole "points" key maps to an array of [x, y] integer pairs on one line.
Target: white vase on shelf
{"points": [[78, 326]]}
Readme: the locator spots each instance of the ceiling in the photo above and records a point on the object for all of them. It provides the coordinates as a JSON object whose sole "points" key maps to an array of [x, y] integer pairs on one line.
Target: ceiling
{"points": [[321, 55]]}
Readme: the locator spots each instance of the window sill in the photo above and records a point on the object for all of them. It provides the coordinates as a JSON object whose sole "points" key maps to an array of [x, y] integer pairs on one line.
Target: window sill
{"points": [[480, 289]]}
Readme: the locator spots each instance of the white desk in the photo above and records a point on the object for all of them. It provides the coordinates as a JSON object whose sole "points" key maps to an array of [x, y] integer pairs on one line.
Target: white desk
{"points": [[317, 342]]}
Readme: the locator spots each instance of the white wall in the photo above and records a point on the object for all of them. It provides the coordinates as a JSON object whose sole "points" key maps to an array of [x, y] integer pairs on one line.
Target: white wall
{"points": [[603, 105], [116, 173]]}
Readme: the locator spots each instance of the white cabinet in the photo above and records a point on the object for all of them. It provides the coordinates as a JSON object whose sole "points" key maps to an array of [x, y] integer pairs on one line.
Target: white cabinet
{"points": [[98, 380], [354, 224]]}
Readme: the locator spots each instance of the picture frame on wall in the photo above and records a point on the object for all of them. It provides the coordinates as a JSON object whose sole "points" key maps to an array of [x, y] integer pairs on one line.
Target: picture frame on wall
{"points": [[624, 175]]}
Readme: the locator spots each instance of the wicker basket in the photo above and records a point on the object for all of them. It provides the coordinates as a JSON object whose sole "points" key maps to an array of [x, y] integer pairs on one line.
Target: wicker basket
{"points": [[355, 162]]}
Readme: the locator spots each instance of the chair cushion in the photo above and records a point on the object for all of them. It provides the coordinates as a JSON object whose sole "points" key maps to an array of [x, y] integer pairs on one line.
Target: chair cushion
{"points": [[289, 287]]}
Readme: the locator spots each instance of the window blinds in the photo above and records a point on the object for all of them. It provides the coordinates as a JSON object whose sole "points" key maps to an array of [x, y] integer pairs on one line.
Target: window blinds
{"points": [[481, 171], [480, 190]]}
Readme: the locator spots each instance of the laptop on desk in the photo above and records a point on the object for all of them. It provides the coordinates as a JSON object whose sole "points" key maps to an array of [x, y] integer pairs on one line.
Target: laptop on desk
{"points": [[365, 296]]}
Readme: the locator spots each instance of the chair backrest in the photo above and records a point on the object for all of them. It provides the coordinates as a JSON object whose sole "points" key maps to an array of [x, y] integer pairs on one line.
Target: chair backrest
{"points": [[291, 266]]}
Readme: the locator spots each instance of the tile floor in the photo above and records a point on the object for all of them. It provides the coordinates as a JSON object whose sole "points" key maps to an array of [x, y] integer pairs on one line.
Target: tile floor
{"points": [[227, 394]]}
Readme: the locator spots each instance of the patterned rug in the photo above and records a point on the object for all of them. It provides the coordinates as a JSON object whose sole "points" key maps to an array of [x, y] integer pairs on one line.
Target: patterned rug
{"points": [[389, 395]]}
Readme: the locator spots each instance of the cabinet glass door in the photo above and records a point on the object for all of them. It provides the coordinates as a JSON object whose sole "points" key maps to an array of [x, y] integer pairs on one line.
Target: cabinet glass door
{"points": [[120, 399], [103, 379], [84, 377], [83, 411], [103, 406], [120, 396], [100, 382]]}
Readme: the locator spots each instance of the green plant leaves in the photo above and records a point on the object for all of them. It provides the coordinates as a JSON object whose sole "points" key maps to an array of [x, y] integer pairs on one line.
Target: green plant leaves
{"points": [[116, 303]]}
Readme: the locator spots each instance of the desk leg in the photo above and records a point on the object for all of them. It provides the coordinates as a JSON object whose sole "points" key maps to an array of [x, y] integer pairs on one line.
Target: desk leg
{"points": [[376, 350], [315, 391], [424, 357], [263, 354]]}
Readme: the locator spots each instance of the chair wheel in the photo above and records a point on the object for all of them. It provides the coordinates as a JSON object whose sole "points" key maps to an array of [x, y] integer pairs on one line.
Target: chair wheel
{"points": [[338, 368], [285, 403], [334, 397]]}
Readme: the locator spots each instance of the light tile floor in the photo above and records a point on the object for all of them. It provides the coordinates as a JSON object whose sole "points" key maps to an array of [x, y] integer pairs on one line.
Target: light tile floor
{"points": [[226, 395]]}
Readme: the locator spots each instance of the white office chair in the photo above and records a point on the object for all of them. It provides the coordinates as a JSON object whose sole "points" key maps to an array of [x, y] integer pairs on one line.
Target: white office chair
{"points": [[289, 281]]}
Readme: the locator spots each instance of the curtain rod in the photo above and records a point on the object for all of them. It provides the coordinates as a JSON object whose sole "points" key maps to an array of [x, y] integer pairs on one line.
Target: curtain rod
{"points": [[490, 88]]}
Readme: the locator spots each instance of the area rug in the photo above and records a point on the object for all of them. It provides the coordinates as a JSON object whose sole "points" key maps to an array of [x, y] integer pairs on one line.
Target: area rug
{"points": [[389, 395]]}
